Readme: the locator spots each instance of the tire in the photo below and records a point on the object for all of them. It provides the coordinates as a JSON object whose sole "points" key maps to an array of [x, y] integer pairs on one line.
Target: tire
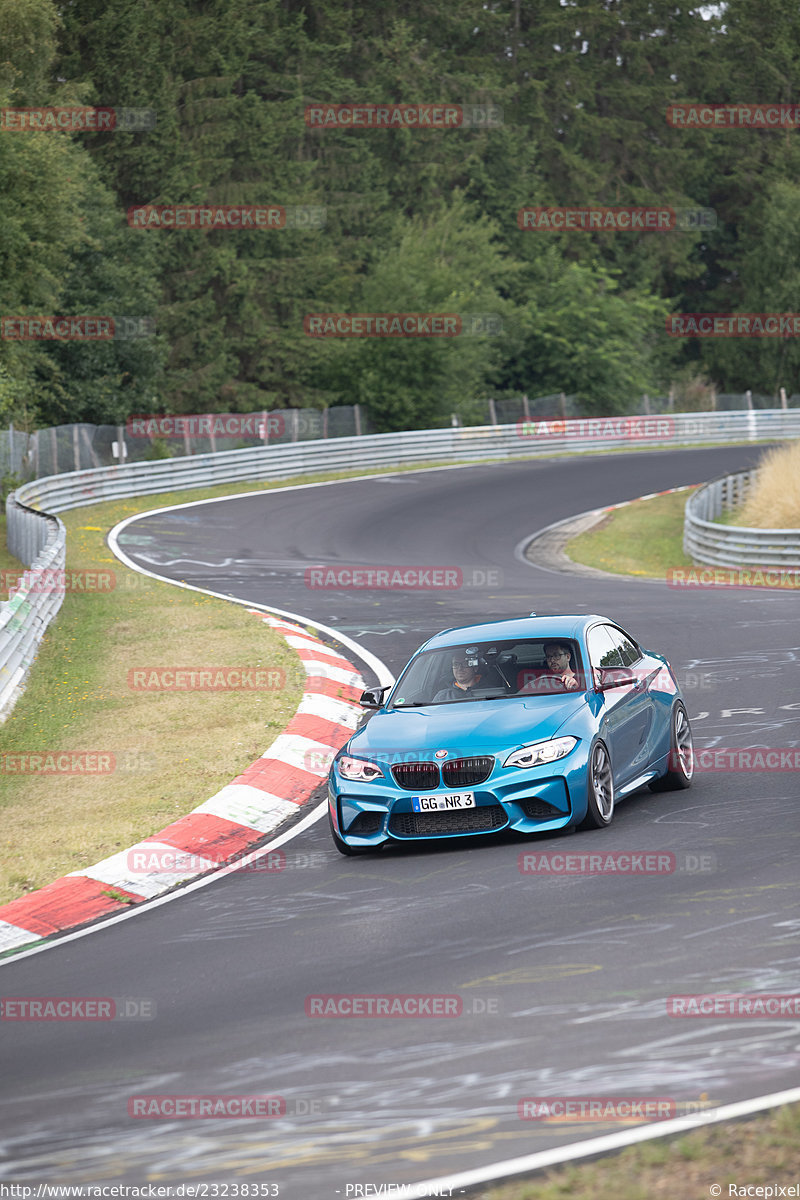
{"points": [[600, 789], [680, 764], [349, 851]]}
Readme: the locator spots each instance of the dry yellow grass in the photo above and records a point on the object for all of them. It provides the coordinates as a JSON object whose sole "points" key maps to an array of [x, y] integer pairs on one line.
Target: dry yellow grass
{"points": [[774, 499]]}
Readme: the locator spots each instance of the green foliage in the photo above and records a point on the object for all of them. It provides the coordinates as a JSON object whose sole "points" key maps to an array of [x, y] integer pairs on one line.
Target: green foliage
{"points": [[157, 449], [417, 220], [447, 263]]}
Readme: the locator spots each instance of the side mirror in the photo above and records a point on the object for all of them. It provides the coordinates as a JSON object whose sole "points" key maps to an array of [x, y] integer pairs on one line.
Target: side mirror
{"points": [[373, 697], [613, 677]]}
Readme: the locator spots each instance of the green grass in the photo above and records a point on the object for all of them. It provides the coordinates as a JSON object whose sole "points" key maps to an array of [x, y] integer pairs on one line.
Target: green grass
{"points": [[757, 1152], [172, 750], [643, 538]]}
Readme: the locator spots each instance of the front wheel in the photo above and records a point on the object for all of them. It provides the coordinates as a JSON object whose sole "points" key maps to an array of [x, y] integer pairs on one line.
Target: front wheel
{"points": [[600, 788], [680, 765]]}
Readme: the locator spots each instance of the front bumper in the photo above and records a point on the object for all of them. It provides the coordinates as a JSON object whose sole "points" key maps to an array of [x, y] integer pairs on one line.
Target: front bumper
{"points": [[528, 801]]}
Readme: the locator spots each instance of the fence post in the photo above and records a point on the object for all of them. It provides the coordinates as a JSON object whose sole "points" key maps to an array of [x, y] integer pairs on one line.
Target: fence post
{"points": [[492, 412], [95, 461], [783, 397], [646, 400], [325, 421], [76, 450], [526, 408], [357, 415], [562, 404]]}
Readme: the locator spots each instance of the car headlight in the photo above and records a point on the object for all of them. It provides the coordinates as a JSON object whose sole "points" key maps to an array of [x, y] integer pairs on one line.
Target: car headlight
{"points": [[359, 768], [541, 752]]}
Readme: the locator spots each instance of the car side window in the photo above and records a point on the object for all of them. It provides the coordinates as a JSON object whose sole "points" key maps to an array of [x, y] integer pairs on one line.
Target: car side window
{"points": [[629, 651], [602, 650]]}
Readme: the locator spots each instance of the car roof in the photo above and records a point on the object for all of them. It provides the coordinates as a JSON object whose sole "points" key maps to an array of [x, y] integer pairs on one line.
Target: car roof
{"points": [[566, 625]]}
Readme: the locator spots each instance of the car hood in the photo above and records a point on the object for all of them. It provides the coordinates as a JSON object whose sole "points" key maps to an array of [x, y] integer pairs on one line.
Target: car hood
{"points": [[466, 727]]}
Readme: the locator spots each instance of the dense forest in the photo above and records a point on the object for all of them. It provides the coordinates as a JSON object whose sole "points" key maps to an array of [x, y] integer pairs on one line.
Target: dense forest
{"points": [[574, 96]]}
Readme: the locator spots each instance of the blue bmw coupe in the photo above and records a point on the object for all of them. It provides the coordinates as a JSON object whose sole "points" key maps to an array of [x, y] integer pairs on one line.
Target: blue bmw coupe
{"points": [[535, 724]]}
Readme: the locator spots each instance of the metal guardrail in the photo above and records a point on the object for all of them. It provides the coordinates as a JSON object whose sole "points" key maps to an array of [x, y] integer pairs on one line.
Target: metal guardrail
{"points": [[39, 539], [706, 541]]}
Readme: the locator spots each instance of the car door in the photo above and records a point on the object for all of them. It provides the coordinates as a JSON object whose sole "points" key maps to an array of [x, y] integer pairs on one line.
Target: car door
{"points": [[640, 727], [627, 711]]}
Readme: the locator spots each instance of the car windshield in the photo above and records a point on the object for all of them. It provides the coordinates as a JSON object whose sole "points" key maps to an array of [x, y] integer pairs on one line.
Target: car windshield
{"points": [[491, 671]]}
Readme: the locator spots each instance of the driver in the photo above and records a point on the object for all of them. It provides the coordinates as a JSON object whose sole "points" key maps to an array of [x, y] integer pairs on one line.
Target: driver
{"points": [[558, 657], [465, 680]]}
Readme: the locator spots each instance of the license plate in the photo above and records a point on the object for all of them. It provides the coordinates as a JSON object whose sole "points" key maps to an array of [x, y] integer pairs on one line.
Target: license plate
{"points": [[442, 801]]}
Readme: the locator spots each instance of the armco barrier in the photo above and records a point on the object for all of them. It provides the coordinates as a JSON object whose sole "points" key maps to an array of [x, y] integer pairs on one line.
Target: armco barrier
{"points": [[43, 544], [39, 540], [705, 541]]}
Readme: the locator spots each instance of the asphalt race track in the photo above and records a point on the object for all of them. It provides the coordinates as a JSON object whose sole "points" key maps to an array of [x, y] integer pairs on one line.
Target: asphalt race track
{"points": [[563, 979]]}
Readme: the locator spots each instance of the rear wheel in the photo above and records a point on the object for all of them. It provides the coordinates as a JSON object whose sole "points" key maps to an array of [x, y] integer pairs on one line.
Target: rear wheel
{"points": [[600, 787], [680, 765]]}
